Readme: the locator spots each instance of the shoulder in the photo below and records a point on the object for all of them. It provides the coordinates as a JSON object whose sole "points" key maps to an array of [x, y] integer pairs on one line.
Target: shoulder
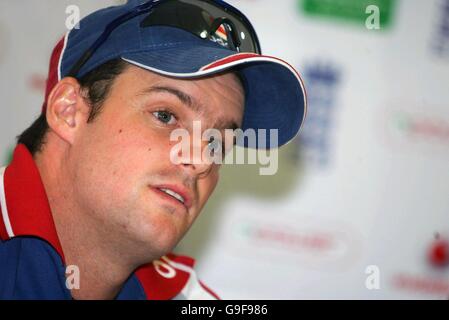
{"points": [[30, 269], [173, 277]]}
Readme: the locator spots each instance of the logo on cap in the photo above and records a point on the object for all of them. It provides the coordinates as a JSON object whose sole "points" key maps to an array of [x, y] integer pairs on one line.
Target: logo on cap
{"points": [[219, 36]]}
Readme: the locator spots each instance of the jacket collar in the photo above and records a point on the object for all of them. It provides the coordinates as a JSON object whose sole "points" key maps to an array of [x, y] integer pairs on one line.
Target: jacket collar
{"points": [[24, 206]]}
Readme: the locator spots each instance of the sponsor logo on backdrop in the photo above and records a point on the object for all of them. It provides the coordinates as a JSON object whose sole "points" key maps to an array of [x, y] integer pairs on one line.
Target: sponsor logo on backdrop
{"points": [[435, 286], [417, 131], [361, 12], [435, 282], [322, 245], [440, 41], [315, 143], [438, 252]]}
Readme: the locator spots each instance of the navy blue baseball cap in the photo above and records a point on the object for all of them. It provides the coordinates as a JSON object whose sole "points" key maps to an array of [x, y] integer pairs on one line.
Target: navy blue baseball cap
{"points": [[275, 96]]}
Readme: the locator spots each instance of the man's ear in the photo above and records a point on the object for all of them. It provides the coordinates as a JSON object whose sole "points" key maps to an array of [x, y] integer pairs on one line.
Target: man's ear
{"points": [[66, 109]]}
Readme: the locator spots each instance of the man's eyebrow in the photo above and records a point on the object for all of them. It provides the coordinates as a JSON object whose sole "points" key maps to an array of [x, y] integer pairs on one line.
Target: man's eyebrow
{"points": [[226, 125], [182, 96], [192, 103]]}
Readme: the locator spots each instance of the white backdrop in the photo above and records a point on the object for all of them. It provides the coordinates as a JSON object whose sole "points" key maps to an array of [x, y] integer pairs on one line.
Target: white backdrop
{"points": [[367, 182]]}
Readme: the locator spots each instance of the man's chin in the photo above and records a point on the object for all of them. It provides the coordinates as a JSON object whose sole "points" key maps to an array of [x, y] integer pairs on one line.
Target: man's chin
{"points": [[157, 243]]}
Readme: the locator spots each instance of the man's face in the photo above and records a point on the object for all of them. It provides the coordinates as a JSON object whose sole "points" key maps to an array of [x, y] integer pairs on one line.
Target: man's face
{"points": [[120, 162]]}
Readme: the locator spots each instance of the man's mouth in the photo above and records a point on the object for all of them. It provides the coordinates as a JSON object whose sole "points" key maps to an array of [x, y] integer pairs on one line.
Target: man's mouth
{"points": [[174, 194]]}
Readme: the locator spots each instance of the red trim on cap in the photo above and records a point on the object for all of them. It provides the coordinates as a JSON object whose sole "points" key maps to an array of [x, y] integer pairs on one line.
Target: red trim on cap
{"points": [[26, 200], [230, 59], [243, 56], [53, 76]]}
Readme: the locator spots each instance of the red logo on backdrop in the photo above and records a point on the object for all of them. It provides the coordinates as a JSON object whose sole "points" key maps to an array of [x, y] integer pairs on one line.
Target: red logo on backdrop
{"points": [[438, 253], [436, 282], [316, 243], [415, 131]]}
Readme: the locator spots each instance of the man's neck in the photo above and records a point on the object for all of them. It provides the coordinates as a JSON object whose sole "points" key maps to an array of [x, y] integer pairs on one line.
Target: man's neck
{"points": [[101, 273], [103, 262]]}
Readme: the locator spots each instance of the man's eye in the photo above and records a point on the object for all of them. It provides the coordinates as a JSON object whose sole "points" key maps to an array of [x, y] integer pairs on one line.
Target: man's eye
{"points": [[165, 117], [213, 143], [216, 145]]}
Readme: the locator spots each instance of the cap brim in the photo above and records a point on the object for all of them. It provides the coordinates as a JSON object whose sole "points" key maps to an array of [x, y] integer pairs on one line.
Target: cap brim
{"points": [[275, 93]]}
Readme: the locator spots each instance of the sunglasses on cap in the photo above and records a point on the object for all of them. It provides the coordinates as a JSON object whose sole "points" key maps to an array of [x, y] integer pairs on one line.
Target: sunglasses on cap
{"points": [[210, 20]]}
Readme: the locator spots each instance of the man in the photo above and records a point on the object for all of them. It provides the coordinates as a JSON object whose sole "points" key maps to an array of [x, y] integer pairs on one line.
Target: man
{"points": [[92, 203]]}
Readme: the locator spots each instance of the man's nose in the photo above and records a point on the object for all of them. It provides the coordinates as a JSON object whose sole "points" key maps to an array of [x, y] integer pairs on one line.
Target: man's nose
{"points": [[198, 160]]}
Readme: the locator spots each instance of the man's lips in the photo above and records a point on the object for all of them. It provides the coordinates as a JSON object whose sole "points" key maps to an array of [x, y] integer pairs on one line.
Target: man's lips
{"points": [[175, 193]]}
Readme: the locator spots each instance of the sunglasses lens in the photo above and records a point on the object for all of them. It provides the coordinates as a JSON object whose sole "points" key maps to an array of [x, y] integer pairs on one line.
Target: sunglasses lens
{"points": [[206, 20]]}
